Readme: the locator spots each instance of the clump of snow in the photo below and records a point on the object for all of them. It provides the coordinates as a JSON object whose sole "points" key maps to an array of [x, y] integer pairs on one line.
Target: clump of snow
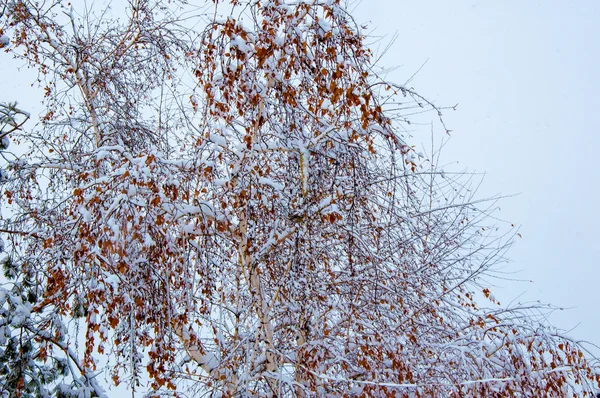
{"points": [[217, 139], [220, 181], [113, 281], [4, 41], [87, 216], [21, 312], [241, 45], [4, 143], [325, 27]]}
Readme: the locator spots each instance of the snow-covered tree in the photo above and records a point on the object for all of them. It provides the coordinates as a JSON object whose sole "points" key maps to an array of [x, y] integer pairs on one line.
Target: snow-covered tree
{"points": [[28, 368], [225, 197]]}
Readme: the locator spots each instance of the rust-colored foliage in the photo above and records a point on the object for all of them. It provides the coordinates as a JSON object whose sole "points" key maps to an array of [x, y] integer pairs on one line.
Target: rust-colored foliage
{"points": [[236, 209]]}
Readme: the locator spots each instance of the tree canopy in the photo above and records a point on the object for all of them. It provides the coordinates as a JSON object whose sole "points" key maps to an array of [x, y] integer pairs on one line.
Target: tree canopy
{"points": [[224, 198]]}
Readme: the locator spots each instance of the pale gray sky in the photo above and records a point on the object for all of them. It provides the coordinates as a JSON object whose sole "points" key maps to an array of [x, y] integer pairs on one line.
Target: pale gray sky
{"points": [[525, 75]]}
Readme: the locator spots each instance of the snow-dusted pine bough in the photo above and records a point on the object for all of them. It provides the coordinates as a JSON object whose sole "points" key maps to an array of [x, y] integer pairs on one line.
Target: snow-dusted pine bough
{"points": [[223, 199]]}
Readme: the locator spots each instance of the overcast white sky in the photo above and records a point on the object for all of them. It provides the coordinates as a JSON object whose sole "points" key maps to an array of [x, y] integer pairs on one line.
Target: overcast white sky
{"points": [[525, 75]]}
